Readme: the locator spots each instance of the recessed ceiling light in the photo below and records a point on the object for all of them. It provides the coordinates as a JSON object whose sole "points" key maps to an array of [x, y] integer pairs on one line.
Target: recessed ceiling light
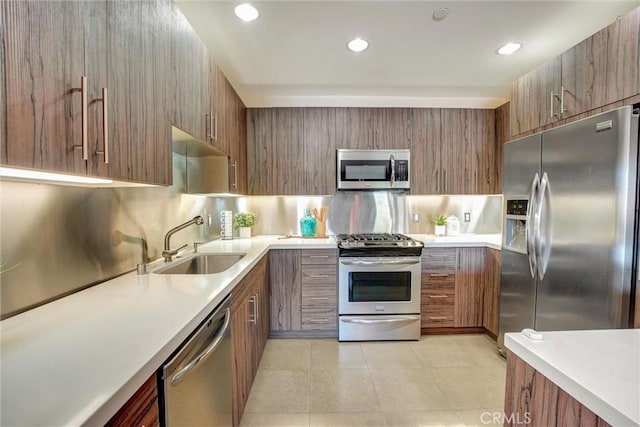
{"points": [[246, 12], [440, 14], [509, 48], [358, 45]]}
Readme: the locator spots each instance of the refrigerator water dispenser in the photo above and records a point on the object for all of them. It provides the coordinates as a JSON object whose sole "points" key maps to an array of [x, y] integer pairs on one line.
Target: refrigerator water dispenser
{"points": [[515, 236]]}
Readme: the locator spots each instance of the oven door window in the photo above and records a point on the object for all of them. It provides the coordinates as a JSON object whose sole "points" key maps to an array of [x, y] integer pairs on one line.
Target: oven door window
{"points": [[365, 170], [380, 286]]}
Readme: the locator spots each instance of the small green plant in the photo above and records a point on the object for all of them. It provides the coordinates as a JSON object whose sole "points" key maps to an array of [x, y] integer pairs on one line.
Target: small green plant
{"points": [[244, 219], [440, 220]]}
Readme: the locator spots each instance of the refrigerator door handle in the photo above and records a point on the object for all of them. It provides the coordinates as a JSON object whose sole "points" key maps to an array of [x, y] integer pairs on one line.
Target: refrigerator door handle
{"points": [[531, 248], [543, 242]]}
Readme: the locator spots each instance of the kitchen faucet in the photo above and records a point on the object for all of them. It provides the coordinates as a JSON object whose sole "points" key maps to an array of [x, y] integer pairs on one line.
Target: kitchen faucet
{"points": [[167, 253]]}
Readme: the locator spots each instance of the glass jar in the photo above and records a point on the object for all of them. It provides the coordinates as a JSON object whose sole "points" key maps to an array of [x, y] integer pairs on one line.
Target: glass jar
{"points": [[308, 224]]}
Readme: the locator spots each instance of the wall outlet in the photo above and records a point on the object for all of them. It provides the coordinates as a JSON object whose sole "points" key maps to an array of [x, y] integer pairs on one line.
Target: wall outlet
{"points": [[415, 217], [467, 217]]}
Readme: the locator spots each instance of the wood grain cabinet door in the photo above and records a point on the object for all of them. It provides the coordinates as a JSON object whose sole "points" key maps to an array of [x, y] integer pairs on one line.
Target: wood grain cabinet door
{"points": [[285, 289], [190, 79], [531, 104], [603, 68], [138, 47], [426, 152], [44, 63], [122, 49], [469, 288]]}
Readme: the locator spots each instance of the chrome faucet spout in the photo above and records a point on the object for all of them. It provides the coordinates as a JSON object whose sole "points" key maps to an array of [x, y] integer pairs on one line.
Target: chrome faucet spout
{"points": [[167, 253]]}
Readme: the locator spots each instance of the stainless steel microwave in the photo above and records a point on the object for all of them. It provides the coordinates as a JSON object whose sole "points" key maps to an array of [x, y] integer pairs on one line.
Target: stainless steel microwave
{"points": [[373, 169]]}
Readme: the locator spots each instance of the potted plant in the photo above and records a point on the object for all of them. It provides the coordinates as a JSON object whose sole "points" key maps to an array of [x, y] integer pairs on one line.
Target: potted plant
{"points": [[243, 221], [440, 222]]}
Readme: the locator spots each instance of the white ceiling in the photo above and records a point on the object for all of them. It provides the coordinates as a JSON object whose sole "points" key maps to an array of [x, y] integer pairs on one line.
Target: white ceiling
{"points": [[295, 53]]}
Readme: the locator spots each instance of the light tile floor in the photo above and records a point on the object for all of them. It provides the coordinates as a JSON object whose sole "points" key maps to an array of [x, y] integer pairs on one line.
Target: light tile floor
{"points": [[446, 380]]}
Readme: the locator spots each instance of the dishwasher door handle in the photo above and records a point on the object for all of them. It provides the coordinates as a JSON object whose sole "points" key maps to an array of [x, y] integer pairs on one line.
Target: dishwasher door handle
{"points": [[205, 353]]}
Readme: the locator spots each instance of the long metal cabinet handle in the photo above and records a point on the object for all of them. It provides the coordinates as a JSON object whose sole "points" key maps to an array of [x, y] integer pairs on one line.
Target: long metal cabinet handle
{"points": [[318, 276], [562, 109], [375, 321], [319, 298], [542, 258], [438, 317], [390, 262], [234, 165], [439, 275], [215, 127], [318, 256], [204, 355], [253, 318], [531, 248], [438, 296], [105, 126], [551, 104], [209, 129], [85, 124], [392, 159]]}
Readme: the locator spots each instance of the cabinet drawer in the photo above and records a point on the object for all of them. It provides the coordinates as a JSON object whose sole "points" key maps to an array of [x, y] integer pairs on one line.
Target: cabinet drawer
{"points": [[437, 298], [438, 278], [319, 256], [319, 318], [319, 274], [316, 296], [439, 259], [437, 316]]}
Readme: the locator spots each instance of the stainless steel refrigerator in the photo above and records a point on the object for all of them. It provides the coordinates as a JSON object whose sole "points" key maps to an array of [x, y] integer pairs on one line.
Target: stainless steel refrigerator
{"points": [[570, 238]]}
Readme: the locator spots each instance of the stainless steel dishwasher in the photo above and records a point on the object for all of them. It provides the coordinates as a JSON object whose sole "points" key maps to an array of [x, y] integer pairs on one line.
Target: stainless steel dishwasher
{"points": [[196, 381]]}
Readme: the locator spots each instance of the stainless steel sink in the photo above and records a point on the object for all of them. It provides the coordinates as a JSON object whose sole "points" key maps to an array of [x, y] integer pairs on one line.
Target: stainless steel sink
{"points": [[202, 263]]}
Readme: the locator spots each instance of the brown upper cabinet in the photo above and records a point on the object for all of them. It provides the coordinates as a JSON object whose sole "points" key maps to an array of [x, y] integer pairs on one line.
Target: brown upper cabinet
{"points": [[601, 70], [192, 111], [122, 50], [206, 105], [293, 150]]}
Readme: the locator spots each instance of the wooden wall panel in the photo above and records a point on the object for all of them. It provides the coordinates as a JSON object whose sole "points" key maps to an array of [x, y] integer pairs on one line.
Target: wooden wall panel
{"points": [[285, 289], [533, 399]]}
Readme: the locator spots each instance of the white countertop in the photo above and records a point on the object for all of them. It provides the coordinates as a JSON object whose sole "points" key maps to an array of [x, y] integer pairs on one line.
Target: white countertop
{"points": [[77, 360], [493, 241], [600, 369]]}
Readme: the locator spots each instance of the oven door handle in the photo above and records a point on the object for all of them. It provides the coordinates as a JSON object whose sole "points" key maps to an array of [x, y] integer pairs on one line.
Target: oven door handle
{"points": [[389, 262], [404, 319]]}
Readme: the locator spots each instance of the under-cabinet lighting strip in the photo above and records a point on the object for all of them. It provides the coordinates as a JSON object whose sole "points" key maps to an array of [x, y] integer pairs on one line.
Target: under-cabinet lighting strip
{"points": [[49, 176]]}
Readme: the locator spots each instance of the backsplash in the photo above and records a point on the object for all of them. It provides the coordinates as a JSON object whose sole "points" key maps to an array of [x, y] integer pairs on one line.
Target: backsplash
{"points": [[60, 239]]}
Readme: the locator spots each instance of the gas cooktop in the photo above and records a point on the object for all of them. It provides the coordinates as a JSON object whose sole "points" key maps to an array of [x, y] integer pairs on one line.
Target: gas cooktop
{"points": [[378, 244]]}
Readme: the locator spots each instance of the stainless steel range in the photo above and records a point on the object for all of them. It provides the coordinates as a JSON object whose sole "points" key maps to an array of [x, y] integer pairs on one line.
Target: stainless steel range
{"points": [[378, 287]]}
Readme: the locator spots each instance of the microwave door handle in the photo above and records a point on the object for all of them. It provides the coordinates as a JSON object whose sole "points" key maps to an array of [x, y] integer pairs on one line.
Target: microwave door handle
{"points": [[392, 160]]}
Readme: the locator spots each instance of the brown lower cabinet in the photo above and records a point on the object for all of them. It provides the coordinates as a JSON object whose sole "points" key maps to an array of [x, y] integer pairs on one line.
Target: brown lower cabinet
{"points": [[141, 410], [458, 286], [303, 292], [249, 331], [533, 399]]}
